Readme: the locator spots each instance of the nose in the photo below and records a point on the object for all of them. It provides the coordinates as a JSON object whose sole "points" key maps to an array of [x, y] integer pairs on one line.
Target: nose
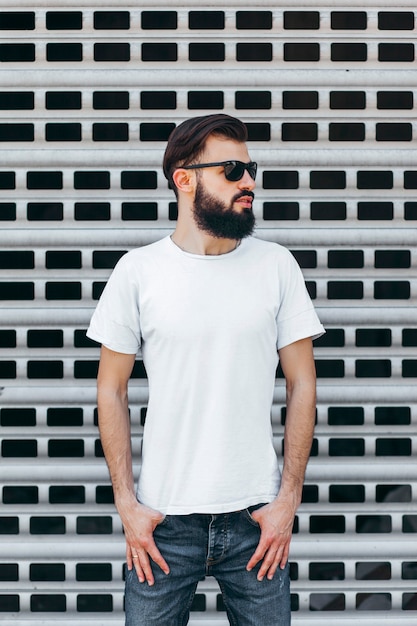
{"points": [[247, 182]]}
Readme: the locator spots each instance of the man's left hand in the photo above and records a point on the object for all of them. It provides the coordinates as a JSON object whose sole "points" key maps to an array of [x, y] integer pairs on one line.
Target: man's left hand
{"points": [[276, 523]]}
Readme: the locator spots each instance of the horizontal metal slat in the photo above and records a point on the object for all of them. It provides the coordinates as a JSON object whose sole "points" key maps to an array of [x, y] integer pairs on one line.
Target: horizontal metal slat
{"points": [[380, 393], [191, 3], [127, 78], [126, 238]]}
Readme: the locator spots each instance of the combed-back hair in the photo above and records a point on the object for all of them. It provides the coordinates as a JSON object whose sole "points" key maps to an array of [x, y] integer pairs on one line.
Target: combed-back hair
{"points": [[187, 141]]}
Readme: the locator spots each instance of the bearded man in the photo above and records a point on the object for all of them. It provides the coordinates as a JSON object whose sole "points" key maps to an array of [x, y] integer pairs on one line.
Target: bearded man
{"points": [[212, 310]]}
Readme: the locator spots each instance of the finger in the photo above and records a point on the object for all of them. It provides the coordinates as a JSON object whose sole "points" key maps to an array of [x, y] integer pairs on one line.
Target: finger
{"points": [[140, 572], [285, 556], [281, 560], [257, 556], [142, 566], [132, 559], [157, 557], [270, 562], [272, 570], [142, 562], [129, 561]]}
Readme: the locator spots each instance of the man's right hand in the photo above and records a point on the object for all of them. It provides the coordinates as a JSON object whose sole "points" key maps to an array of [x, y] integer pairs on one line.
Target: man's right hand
{"points": [[139, 522]]}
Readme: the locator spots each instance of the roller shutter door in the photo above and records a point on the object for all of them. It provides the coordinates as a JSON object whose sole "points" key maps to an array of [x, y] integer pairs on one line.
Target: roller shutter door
{"points": [[89, 92]]}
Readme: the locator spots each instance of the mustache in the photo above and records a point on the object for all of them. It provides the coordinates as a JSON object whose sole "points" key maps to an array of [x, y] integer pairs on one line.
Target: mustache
{"points": [[244, 194]]}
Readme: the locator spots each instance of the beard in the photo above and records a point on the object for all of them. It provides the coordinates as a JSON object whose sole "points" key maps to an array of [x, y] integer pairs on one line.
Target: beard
{"points": [[219, 220]]}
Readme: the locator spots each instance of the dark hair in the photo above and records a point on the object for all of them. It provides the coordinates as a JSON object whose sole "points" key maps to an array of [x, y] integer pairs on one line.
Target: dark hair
{"points": [[187, 141]]}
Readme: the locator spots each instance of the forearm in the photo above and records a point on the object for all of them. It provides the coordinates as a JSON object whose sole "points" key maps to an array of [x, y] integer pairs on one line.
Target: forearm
{"points": [[114, 426], [298, 436]]}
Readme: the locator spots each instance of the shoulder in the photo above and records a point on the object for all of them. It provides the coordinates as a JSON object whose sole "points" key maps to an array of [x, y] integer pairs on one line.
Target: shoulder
{"points": [[269, 249], [137, 256], [273, 257]]}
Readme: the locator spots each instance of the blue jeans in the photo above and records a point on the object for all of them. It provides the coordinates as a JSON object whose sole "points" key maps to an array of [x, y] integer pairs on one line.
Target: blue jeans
{"points": [[200, 545]]}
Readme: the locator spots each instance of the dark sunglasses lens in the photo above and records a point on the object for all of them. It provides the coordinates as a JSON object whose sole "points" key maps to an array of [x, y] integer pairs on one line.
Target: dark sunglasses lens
{"points": [[235, 170], [252, 170]]}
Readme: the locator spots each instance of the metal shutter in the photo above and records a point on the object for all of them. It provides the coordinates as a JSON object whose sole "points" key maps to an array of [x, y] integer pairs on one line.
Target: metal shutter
{"points": [[89, 91]]}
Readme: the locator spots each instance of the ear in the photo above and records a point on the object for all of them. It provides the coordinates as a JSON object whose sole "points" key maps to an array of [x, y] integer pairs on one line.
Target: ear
{"points": [[184, 180]]}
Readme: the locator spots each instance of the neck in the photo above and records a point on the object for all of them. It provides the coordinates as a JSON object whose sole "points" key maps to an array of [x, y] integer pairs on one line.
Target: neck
{"points": [[201, 243]]}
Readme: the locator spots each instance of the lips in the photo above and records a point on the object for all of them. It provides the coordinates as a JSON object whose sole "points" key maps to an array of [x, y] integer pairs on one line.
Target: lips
{"points": [[245, 202], [245, 199]]}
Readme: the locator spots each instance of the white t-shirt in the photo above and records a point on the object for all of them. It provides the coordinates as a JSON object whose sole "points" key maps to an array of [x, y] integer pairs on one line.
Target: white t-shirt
{"points": [[208, 328]]}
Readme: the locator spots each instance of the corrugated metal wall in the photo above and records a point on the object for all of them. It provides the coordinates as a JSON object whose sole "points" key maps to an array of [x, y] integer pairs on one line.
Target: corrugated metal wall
{"points": [[89, 91]]}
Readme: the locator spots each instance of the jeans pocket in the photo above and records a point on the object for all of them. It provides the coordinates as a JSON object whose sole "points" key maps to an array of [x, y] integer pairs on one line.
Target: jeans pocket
{"points": [[248, 514]]}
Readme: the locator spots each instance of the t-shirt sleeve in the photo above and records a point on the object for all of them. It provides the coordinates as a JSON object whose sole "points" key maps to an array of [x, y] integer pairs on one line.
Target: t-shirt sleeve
{"points": [[297, 318], [116, 321]]}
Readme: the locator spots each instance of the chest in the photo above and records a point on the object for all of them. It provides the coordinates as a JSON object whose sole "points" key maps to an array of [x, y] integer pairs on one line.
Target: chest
{"points": [[210, 302]]}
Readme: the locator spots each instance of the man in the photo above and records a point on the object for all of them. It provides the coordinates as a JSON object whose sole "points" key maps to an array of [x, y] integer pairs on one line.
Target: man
{"points": [[209, 307]]}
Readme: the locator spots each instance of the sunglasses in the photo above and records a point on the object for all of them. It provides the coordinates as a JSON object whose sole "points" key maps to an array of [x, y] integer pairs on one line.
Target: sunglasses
{"points": [[233, 170]]}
